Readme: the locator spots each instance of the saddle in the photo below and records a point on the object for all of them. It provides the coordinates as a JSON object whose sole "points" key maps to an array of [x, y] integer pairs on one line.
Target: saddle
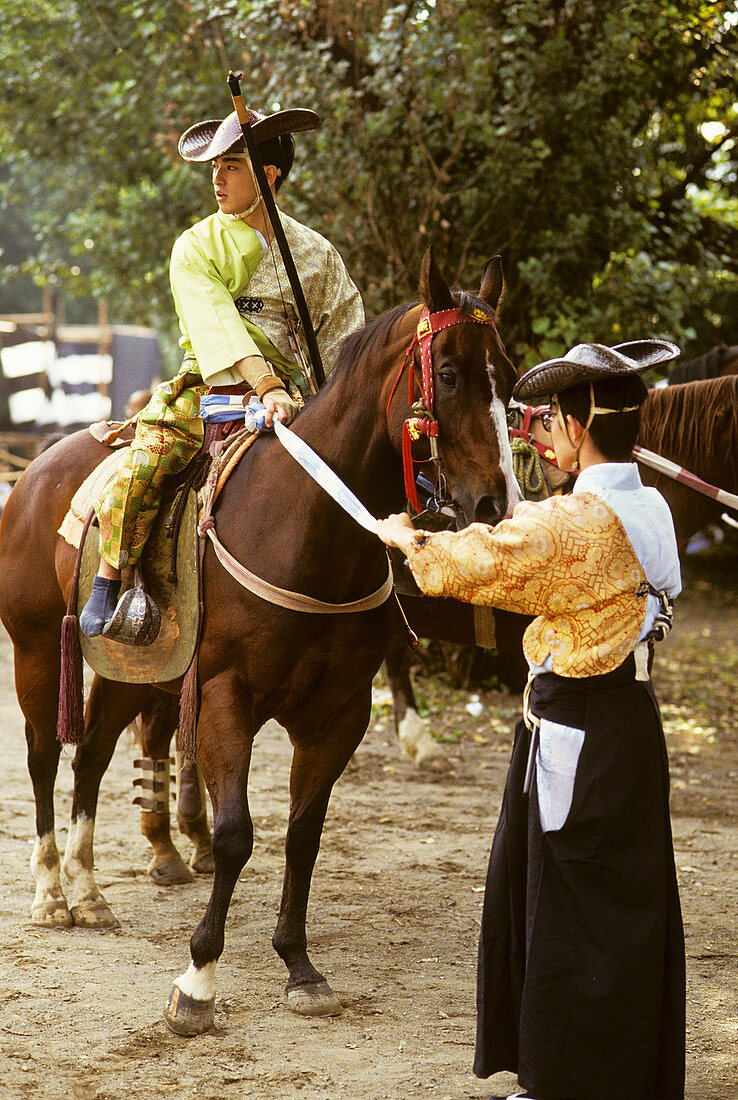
{"points": [[167, 581]]}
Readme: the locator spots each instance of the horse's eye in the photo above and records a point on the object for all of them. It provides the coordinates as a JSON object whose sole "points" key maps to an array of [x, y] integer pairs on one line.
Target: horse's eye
{"points": [[448, 377]]}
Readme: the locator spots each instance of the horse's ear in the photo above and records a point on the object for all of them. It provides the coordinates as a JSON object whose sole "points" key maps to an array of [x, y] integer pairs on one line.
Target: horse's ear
{"points": [[434, 289], [492, 282]]}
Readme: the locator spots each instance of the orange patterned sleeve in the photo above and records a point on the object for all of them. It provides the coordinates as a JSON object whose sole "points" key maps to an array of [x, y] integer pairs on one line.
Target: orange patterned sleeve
{"points": [[567, 561], [504, 566]]}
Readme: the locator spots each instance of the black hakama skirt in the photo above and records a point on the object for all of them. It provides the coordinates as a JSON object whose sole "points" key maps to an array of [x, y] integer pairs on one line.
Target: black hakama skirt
{"points": [[581, 983]]}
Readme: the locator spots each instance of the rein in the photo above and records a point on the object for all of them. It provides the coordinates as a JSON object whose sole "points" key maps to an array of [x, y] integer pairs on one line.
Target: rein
{"points": [[424, 421]]}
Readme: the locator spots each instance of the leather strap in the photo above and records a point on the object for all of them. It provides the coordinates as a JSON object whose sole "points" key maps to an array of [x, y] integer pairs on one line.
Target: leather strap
{"points": [[282, 597]]}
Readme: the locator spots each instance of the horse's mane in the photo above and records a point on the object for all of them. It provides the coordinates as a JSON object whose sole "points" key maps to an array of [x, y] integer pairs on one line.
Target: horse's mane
{"points": [[360, 344], [686, 423], [694, 370]]}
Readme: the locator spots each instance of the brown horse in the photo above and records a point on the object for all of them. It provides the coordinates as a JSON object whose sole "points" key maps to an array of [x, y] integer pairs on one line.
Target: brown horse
{"points": [[313, 672], [694, 424]]}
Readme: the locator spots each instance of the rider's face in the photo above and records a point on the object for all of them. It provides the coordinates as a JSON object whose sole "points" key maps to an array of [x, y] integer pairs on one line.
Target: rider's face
{"points": [[233, 184]]}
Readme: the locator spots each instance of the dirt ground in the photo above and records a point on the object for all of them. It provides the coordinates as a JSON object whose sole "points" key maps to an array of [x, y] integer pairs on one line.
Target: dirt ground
{"points": [[394, 913]]}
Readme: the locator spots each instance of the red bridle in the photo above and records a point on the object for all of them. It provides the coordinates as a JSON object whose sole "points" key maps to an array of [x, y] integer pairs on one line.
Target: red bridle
{"points": [[524, 432], [424, 422]]}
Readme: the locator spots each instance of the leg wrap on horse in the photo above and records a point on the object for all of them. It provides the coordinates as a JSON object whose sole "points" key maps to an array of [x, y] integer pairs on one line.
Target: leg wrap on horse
{"points": [[155, 780]]}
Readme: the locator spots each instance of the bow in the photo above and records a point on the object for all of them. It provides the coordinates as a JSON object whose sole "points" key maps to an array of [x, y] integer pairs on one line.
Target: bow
{"points": [[273, 215]]}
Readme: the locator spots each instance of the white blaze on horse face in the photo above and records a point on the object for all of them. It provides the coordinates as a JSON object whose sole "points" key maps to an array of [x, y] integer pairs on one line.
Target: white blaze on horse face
{"points": [[198, 984], [499, 418]]}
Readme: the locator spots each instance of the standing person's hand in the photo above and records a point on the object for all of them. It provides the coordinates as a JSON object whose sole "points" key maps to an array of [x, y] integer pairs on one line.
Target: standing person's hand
{"points": [[398, 530]]}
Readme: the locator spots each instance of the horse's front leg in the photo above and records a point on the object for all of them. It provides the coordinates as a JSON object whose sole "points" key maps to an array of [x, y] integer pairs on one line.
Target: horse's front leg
{"points": [[321, 752], [110, 708], [157, 723], [226, 730], [37, 686]]}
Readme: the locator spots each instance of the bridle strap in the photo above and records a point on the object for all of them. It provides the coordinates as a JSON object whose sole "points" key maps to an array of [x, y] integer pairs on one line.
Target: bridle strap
{"points": [[425, 422], [524, 432]]}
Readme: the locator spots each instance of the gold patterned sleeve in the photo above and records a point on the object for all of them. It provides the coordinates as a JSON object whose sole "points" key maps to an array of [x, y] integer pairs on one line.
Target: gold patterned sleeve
{"points": [[504, 566]]}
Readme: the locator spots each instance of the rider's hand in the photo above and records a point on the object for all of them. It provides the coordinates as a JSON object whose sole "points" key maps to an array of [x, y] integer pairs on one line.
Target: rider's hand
{"points": [[278, 402]]}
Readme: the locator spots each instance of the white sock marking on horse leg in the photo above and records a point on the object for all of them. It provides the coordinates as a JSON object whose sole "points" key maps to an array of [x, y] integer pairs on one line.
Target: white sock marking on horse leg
{"points": [[79, 860], [198, 984], [499, 417], [45, 868]]}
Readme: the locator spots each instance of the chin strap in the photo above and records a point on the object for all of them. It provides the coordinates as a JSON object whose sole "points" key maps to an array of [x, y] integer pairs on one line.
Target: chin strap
{"points": [[423, 422]]}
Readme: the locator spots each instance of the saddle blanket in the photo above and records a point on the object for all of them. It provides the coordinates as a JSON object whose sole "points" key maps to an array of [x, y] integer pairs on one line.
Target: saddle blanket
{"points": [[90, 492]]}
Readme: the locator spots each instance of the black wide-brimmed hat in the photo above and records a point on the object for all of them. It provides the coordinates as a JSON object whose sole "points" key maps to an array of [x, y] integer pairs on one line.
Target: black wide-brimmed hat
{"points": [[210, 139], [591, 363]]}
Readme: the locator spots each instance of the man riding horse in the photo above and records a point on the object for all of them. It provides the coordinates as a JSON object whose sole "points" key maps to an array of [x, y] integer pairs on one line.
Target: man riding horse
{"points": [[239, 328]]}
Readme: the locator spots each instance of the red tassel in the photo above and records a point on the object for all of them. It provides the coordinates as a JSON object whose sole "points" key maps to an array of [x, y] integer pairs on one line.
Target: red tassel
{"points": [[411, 489], [70, 723]]}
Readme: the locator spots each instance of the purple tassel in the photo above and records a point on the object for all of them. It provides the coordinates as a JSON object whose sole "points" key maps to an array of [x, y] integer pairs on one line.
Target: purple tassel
{"points": [[70, 723]]}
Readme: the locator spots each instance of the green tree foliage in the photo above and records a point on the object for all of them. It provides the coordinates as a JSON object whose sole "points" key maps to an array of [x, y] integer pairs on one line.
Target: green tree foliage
{"points": [[591, 142]]}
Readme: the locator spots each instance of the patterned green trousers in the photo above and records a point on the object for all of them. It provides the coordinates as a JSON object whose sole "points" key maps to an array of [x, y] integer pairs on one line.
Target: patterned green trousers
{"points": [[168, 434]]}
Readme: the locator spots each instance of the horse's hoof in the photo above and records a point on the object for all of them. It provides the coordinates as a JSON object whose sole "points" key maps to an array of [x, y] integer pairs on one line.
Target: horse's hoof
{"points": [[432, 759], [174, 872], [52, 914], [188, 1016], [94, 914], [203, 864], [316, 999]]}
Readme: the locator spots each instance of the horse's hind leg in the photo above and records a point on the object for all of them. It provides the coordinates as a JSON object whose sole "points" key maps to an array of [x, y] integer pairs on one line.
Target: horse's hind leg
{"points": [[110, 708], [319, 759], [156, 725], [192, 813], [412, 731]]}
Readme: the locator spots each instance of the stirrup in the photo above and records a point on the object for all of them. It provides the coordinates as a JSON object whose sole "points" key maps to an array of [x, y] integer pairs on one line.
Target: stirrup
{"points": [[136, 619]]}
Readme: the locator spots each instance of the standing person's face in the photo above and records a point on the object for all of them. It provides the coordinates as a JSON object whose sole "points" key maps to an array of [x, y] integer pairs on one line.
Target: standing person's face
{"points": [[233, 183], [565, 434]]}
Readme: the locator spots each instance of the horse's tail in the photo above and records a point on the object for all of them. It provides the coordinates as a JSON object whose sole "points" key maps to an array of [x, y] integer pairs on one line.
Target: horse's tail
{"points": [[70, 723]]}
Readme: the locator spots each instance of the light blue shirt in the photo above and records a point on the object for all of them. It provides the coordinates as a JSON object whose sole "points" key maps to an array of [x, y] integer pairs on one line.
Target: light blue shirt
{"points": [[647, 522]]}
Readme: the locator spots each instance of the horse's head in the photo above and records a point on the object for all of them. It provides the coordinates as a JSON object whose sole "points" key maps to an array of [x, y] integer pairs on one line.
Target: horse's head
{"points": [[472, 381]]}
